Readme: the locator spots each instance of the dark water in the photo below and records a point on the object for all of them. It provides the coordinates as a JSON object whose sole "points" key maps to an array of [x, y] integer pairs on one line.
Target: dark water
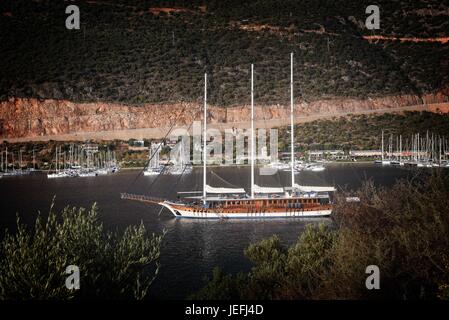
{"points": [[191, 248]]}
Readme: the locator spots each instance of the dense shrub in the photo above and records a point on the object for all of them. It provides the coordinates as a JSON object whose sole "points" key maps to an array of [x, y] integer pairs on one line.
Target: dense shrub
{"points": [[403, 230], [33, 261]]}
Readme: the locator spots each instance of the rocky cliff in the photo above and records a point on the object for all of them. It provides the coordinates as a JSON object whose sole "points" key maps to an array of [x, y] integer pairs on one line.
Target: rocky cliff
{"points": [[23, 118]]}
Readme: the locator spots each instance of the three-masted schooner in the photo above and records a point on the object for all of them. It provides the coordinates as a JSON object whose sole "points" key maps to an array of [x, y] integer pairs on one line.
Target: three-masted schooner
{"points": [[261, 202]]}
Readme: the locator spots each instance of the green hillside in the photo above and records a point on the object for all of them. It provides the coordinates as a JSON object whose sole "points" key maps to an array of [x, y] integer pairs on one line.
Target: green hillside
{"points": [[363, 132], [125, 52]]}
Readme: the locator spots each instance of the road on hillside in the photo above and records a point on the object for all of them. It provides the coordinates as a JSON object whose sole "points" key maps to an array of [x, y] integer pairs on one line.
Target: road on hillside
{"points": [[158, 133]]}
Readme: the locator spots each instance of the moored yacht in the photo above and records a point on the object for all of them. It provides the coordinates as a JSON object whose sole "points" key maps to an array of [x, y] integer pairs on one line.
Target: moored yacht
{"points": [[154, 167], [258, 202]]}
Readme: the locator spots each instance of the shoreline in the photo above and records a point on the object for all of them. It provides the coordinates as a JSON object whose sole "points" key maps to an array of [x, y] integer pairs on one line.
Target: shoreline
{"points": [[222, 166], [247, 165]]}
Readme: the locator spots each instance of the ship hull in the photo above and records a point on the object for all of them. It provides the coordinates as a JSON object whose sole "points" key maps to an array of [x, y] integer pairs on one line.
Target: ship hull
{"points": [[211, 214]]}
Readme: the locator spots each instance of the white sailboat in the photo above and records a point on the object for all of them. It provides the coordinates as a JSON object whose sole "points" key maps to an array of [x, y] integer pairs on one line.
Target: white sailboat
{"points": [[58, 173], [154, 167]]}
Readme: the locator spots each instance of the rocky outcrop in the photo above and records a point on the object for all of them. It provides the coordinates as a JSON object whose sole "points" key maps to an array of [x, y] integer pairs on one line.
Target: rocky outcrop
{"points": [[21, 118]]}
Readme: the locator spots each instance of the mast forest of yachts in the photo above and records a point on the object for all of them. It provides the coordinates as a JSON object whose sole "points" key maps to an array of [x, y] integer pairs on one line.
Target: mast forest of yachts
{"points": [[260, 202]]}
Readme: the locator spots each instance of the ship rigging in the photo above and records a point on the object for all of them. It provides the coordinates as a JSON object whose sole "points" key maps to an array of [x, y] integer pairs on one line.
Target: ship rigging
{"points": [[260, 202]]}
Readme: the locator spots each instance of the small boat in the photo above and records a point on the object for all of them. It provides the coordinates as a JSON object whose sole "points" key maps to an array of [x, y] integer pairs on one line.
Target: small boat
{"points": [[314, 167], [60, 174], [153, 171], [154, 167], [85, 174], [102, 172], [279, 165], [425, 165], [178, 170]]}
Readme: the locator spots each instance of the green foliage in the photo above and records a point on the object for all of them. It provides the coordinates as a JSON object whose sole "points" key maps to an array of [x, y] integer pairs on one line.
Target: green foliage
{"points": [[309, 262], [33, 262], [222, 287], [363, 132], [124, 53], [268, 257], [402, 229]]}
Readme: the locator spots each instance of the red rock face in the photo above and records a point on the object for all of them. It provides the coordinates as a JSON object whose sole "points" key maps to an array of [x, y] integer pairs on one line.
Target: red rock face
{"points": [[21, 118]]}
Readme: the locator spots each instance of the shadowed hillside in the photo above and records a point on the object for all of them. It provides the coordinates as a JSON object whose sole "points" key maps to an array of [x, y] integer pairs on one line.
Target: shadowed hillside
{"points": [[156, 51]]}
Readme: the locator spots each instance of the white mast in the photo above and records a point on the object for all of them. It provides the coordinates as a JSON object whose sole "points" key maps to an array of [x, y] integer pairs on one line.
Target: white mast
{"points": [[382, 145], [20, 160], [252, 131], [390, 147], [292, 136], [415, 158], [417, 147], [204, 138], [400, 149]]}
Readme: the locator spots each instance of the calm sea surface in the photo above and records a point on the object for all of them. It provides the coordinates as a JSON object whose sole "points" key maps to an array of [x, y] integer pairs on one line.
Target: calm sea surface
{"points": [[192, 248]]}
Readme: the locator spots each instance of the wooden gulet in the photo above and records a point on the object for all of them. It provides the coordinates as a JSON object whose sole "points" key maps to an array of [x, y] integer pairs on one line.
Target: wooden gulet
{"points": [[262, 202]]}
